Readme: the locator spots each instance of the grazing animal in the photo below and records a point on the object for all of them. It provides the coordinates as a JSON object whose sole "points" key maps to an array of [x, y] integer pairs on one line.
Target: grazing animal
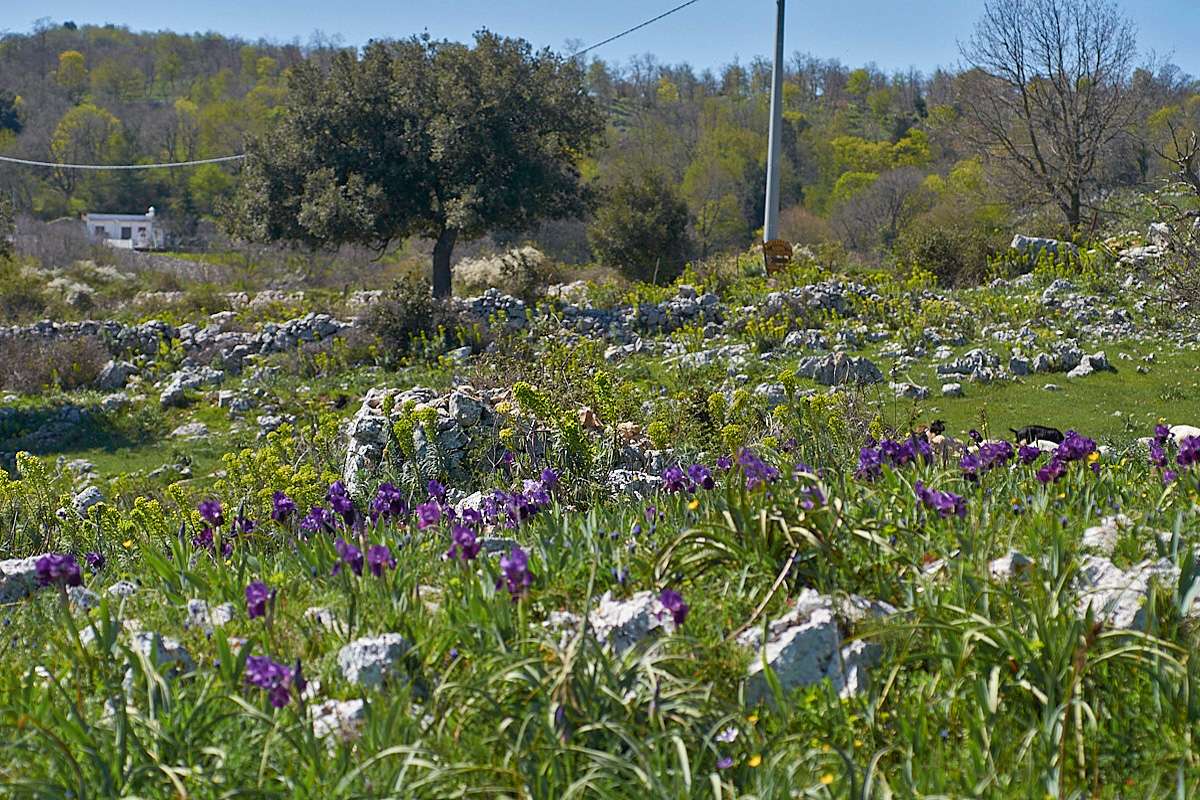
{"points": [[1034, 433], [944, 445]]}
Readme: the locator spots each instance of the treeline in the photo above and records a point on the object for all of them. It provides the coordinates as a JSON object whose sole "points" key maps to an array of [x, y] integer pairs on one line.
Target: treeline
{"points": [[884, 163]]}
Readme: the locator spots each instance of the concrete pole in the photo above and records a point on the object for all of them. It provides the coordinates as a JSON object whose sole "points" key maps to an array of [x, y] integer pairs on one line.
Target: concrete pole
{"points": [[771, 221]]}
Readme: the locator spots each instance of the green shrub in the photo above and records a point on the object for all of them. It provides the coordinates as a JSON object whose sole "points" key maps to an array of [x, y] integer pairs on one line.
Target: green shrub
{"points": [[641, 228], [956, 257], [408, 314]]}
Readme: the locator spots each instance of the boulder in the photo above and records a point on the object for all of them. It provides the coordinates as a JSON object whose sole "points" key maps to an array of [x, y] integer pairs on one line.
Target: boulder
{"points": [[1181, 432], [114, 375], [1118, 596], [805, 646], [952, 390], [371, 661], [86, 499], [633, 483], [18, 579], [338, 719], [1012, 564], [622, 624], [190, 430], [1084, 369], [910, 391], [465, 410], [1103, 537], [1033, 246], [838, 369]]}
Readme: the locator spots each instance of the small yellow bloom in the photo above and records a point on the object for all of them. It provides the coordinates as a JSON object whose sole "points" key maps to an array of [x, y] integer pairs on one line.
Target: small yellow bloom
{"points": [[825, 748], [752, 719], [826, 779], [755, 760], [128, 543], [1093, 457], [692, 506]]}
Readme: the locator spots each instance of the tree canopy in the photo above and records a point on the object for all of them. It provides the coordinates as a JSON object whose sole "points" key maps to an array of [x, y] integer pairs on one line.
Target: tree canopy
{"points": [[420, 138]]}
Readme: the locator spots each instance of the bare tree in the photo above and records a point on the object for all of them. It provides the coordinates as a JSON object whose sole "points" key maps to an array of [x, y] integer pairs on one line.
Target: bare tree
{"points": [[874, 216], [1178, 206], [1049, 92]]}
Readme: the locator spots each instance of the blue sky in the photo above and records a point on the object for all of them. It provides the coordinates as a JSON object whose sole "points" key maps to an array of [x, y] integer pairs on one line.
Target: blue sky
{"points": [[895, 34]]}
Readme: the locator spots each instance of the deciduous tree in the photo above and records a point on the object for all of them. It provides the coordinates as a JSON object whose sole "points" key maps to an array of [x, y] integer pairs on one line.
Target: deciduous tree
{"points": [[420, 138], [1049, 93]]}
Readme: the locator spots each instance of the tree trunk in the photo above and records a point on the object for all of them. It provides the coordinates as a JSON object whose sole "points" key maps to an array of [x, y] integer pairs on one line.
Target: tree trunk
{"points": [[441, 262], [1075, 211]]}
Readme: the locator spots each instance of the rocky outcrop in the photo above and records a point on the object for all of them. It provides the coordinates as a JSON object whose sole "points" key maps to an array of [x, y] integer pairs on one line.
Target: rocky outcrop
{"points": [[806, 646]]}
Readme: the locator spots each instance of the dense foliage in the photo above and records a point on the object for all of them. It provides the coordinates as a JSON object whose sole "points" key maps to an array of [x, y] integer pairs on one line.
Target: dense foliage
{"points": [[853, 139], [424, 138]]}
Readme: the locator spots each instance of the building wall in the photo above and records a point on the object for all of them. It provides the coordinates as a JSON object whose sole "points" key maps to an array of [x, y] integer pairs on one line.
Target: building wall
{"points": [[142, 232]]}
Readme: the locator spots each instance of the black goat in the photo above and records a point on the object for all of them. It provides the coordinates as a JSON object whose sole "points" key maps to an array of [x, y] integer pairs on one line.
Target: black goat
{"points": [[1034, 433]]}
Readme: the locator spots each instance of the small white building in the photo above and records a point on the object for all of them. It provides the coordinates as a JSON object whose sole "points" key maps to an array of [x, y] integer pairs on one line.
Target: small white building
{"points": [[126, 231]]}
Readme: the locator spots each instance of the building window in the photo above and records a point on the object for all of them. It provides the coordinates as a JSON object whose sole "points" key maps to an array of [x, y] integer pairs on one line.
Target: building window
{"points": [[126, 233]]}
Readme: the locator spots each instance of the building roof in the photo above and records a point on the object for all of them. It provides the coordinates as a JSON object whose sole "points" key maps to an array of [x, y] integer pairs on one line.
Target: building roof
{"points": [[118, 217]]}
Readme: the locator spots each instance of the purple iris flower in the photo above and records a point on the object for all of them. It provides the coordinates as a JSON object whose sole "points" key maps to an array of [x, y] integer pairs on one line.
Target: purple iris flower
{"points": [[94, 560], [1158, 454], [549, 478], [944, 503], [672, 601], [57, 568], [1161, 434], [870, 464], [212, 513], [724, 463], [257, 595], [1052, 471], [388, 503], [463, 544], [264, 673], [282, 507], [724, 762], [350, 556], [1075, 447], [514, 569], [970, 464], [757, 471], [379, 558], [340, 501], [437, 491], [203, 540], [701, 476], [428, 514], [674, 480], [813, 497], [318, 519], [1028, 454], [1189, 451], [975, 435], [995, 454]]}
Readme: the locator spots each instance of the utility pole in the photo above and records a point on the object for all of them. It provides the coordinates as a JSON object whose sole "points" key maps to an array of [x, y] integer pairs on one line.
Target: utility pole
{"points": [[771, 222]]}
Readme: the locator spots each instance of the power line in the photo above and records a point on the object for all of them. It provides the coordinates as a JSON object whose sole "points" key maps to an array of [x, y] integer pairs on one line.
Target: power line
{"points": [[173, 164], [638, 27], [53, 165]]}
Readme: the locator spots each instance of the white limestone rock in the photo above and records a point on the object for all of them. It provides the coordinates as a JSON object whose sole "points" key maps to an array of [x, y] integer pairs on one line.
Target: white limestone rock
{"points": [[371, 661]]}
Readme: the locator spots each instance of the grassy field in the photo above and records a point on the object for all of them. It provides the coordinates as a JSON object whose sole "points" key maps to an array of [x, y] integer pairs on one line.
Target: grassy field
{"points": [[1016, 626]]}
